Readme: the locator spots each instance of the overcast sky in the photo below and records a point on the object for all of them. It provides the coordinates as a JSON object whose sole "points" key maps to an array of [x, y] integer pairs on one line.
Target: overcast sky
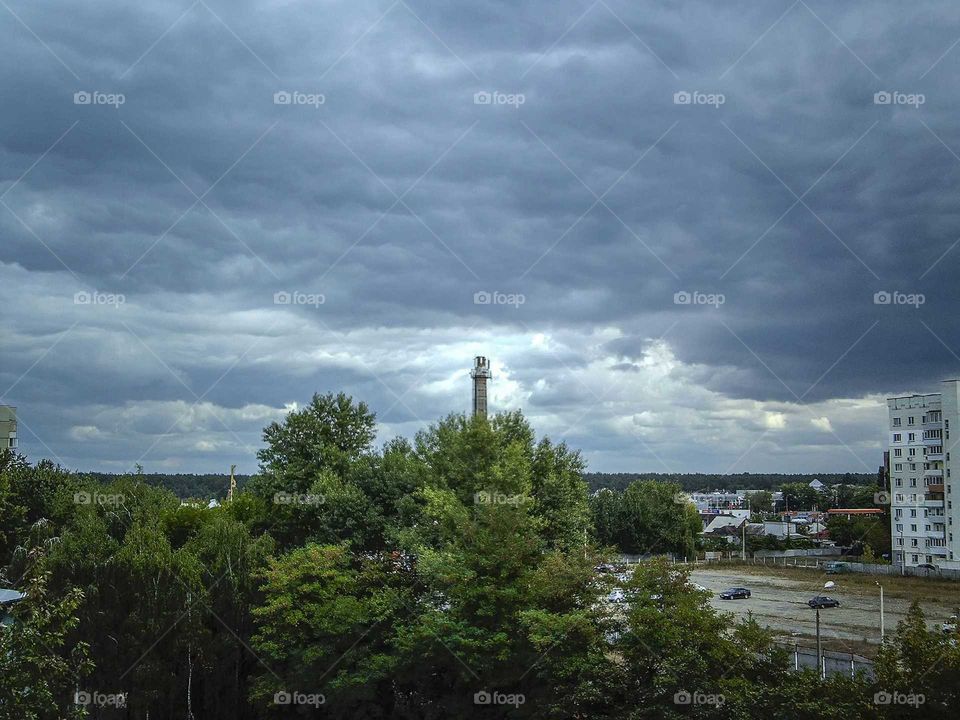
{"points": [[680, 213]]}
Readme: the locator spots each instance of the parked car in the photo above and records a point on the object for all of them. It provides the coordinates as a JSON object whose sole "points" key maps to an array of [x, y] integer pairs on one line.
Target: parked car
{"points": [[822, 601], [616, 596], [734, 593], [835, 568]]}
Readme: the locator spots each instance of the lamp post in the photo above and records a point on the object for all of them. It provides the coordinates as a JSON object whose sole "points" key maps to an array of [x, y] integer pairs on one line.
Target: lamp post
{"points": [[820, 669], [882, 634]]}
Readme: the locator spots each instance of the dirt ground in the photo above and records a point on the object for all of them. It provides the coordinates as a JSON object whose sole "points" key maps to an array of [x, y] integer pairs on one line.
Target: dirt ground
{"points": [[780, 595]]}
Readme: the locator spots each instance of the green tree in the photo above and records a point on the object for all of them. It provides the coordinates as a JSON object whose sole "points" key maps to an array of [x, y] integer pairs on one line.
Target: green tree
{"points": [[40, 667], [328, 434], [922, 662], [656, 518], [761, 502]]}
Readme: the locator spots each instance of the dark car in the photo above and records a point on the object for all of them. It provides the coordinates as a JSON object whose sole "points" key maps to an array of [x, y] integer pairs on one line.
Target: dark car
{"points": [[822, 601], [734, 593]]}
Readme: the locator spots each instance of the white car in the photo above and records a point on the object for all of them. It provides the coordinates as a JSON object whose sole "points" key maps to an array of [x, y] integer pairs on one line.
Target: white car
{"points": [[616, 596]]}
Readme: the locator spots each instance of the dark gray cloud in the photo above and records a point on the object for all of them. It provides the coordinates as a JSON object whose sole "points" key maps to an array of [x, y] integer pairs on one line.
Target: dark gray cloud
{"points": [[586, 187]]}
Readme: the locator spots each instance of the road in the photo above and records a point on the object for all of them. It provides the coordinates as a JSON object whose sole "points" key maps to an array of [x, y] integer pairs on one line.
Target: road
{"points": [[781, 604]]}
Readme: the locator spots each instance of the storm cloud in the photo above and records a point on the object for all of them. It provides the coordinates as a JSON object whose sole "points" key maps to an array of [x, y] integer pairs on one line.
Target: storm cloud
{"points": [[691, 236]]}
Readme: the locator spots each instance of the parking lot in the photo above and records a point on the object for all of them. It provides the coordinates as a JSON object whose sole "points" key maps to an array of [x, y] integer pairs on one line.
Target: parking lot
{"points": [[781, 603]]}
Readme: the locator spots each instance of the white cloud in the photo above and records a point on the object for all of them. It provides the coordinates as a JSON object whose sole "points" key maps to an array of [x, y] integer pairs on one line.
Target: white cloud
{"points": [[822, 423]]}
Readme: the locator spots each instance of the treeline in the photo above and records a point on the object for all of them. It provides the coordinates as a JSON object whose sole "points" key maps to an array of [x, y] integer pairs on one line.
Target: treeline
{"points": [[183, 485], [212, 485], [706, 482], [450, 576]]}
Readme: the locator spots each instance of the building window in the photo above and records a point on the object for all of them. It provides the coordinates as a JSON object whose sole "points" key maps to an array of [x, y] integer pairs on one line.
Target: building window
{"points": [[899, 482], [914, 558], [913, 482], [910, 420], [913, 528], [896, 422], [897, 467], [897, 437], [897, 452], [913, 437]]}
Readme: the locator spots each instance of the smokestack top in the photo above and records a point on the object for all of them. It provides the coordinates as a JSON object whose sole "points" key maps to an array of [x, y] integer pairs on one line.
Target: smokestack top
{"points": [[480, 374]]}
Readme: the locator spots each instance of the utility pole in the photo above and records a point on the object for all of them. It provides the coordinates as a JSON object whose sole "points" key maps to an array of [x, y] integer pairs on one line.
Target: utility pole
{"points": [[819, 651], [882, 634], [743, 545]]}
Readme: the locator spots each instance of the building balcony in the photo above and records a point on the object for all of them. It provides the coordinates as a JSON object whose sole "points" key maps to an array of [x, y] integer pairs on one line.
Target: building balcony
{"points": [[935, 489], [933, 472], [933, 502]]}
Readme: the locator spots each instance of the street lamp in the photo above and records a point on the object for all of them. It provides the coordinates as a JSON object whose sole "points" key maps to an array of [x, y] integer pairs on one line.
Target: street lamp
{"points": [[882, 634], [826, 586]]}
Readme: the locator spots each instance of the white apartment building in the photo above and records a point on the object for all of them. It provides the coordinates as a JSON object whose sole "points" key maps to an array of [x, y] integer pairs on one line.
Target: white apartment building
{"points": [[925, 526], [8, 427]]}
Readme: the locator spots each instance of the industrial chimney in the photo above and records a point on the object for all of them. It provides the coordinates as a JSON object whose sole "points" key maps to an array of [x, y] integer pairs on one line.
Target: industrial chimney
{"points": [[480, 375]]}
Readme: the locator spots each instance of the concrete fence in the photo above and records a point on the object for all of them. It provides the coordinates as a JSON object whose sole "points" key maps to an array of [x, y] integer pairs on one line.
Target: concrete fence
{"points": [[801, 552], [814, 563]]}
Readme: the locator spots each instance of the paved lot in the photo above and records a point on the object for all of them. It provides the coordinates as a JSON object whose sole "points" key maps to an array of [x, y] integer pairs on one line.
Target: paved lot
{"points": [[781, 604]]}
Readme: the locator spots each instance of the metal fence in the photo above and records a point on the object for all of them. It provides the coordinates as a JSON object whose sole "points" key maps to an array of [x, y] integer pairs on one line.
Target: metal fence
{"points": [[833, 662]]}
